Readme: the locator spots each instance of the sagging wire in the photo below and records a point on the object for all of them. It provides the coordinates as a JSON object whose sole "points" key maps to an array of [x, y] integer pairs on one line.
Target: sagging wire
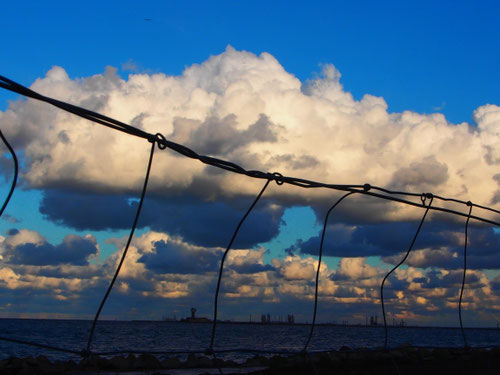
{"points": [[210, 349], [163, 143], [79, 111], [249, 350], [230, 166], [424, 198], [16, 172], [463, 278], [313, 324], [221, 268], [87, 351], [43, 346]]}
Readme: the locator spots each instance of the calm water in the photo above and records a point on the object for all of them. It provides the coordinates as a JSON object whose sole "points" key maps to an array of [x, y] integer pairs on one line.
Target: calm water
{"points": [[116, 335]]}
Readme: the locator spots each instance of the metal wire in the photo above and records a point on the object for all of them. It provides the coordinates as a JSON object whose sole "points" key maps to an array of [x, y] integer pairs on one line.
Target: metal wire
{"points": [[221, 268], [131, 235], [44, 346], [424, 197], [230, 166], [401, 197], [463, 278], [16, 172], [313, 323]]}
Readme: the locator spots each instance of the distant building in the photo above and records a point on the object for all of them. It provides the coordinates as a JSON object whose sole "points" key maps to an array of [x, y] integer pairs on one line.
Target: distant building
{"points": [[265, 318], [194, 319]]}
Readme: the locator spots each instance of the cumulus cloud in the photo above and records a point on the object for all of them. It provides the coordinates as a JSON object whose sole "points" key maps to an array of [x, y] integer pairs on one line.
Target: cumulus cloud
{"points": [[164, 273], [355, 269], [248, 109], [247, 261], [176, 256], [482, 251], [206, 223], [423, 175], [296, 268], [29, 248], [385, 239]]}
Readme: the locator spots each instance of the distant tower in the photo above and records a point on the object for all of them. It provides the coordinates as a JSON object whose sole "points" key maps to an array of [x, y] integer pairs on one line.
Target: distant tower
{"points": [[193, 312]]}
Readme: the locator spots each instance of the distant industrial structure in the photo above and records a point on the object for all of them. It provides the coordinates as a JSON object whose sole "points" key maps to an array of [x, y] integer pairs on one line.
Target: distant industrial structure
{"points": [[374, 322], [194, 319], [266, 319]]}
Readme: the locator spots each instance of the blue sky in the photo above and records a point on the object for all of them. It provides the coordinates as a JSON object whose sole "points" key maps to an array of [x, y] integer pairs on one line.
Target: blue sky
{"points": [[402, 95], [417, 55]]}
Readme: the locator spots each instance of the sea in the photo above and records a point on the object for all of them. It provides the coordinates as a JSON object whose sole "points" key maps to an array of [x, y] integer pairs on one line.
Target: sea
{"points": [[180, 336]]}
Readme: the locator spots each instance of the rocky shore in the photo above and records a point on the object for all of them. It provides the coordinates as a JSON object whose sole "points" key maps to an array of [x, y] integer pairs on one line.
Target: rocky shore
{"points": [[407, 360]]}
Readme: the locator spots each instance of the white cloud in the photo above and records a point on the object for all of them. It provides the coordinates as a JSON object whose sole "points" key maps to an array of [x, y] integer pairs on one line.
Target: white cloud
{"points": [[317, 124], [22, 237], [248, 281], [356, 269], [297, 268]]}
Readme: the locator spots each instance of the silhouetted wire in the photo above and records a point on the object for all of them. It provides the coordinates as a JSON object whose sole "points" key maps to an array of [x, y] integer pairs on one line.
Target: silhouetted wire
{"points": [[319, 266], [424, 197], [79, 111], [270, 351], [227, 165], [463, 278], [221, 268], [433, 208], [35, 344], [131, 235], [16, 172], [163, 143], [217, 364], [436, 197]]}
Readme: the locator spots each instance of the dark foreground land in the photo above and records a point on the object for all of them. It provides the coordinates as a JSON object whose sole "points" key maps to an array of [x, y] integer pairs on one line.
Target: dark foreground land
{"points": [[408, 360]]}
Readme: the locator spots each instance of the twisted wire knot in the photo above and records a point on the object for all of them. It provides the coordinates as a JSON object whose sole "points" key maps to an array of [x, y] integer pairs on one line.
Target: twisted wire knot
{"points": [[161, 141], [278, 178]]}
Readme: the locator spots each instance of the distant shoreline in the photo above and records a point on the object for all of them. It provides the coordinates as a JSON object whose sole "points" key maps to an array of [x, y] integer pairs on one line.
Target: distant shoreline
{"points": [[257, 323]]}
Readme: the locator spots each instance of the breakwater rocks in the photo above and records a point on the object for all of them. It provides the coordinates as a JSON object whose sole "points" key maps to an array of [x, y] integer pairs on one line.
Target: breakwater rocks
{"points": [[406, 360]]}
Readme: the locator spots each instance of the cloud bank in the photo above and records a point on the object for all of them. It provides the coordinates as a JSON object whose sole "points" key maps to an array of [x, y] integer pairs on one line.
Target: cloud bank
{"points": [[166, 274], [248, 109]]}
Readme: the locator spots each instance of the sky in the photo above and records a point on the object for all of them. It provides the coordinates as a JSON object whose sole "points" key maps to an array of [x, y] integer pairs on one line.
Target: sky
{"points": [[402, 95]]}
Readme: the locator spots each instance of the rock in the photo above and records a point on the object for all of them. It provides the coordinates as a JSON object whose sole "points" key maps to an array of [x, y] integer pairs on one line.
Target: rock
{"points": [[230, 363], [43, 360], [171, 363], [94, 362], [257, 360], [14, 364], [147, 362], [190, 361], [405, 345], [121, 363], [203, 361], [26, 369], [277, 361]]}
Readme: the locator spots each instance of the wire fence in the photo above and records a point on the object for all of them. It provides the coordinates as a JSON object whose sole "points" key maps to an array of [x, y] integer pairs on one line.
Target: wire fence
{"points": [[159, 141]]}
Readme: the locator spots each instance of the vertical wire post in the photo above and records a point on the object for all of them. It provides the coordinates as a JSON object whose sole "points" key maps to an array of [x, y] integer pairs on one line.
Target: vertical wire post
{"points": [[423, 197], [16, 173], [469, 203], [221, 268], [86, 352], [317, 271]]}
